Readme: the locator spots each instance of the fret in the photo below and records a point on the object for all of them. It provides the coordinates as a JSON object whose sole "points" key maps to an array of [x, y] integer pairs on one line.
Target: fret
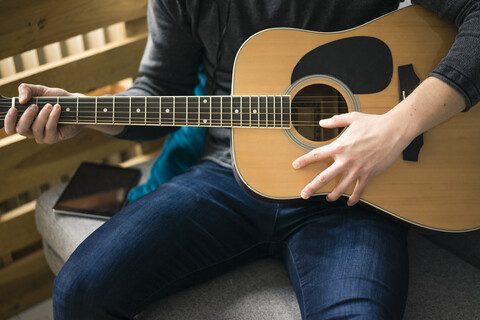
{"points": [[199, 115], [113, 110], [186, 110], [173, 113], [226, 111], [205, 111], [78, 102], [236, 112], [180, 111], [153, 110], [21, 107], [129, 110], [16, 104], [122, 110], [286, 112], [262, 109], [96, 108], [216, 114], [86, 113], [137, 110], [245, 109], [193, 115], [68, 109], [254, 105], [270, 112], [167, 111], [104, 110], [278, 111]]}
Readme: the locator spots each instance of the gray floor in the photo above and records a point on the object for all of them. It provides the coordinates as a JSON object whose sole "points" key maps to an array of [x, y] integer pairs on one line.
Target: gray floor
{"points": [[42, 311]]}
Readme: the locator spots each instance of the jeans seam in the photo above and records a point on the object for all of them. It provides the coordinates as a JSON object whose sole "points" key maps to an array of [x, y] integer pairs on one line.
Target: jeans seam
{"points": [[275, 221], [299, 281]]}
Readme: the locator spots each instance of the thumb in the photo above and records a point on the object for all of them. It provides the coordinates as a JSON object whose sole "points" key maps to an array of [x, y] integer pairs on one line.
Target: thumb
{"points": [[27, 91]]}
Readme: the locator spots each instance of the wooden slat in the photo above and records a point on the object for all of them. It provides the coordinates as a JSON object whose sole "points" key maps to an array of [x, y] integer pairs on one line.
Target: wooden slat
{"points": [[24, 283], [6, 259], [115, 61], [26, 165], [135, 27], [30, 24], [18, 229]]}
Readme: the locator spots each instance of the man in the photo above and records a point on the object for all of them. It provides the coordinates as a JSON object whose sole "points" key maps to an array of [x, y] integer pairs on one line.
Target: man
{"points": [[343, 261]]}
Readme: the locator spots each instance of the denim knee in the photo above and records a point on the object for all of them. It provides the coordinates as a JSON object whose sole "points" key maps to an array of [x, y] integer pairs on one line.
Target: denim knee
{"points": [[79, 293]]}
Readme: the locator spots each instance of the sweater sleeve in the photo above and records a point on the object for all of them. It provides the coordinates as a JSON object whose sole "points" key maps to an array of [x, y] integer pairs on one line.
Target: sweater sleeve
{"points": [[169, 65], [461, 67]]}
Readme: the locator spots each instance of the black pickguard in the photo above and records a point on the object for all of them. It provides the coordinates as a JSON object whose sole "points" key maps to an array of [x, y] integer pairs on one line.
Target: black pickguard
{"points": [[364, 64]]}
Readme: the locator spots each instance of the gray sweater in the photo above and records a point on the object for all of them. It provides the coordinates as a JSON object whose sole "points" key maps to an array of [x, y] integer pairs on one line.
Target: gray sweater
{"points": [[185, 34]]}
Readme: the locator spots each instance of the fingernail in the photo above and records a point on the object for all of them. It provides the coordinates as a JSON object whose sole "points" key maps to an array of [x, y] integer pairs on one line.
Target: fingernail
{"points": [[295, 164], [321, 122], [304, 195], [57, 107]]}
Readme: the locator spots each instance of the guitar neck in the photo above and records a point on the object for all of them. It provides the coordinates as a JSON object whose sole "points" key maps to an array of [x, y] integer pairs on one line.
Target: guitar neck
{"points": [[202, 111]]}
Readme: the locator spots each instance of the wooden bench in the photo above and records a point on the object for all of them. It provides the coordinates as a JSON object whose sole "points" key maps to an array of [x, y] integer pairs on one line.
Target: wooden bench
{"points": [[81, 46]]}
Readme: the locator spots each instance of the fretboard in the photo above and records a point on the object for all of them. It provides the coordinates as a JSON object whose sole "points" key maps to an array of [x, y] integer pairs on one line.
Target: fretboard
{"points": [[203, 111]]}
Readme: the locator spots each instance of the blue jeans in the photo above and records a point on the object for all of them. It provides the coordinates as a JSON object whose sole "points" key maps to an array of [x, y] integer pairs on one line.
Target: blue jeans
{"points": [[343, 262]]}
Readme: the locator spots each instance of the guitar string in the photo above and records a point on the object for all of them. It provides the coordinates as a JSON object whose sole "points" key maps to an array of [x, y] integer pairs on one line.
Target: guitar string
{"points": [[180, 121], [216, 116], [325, 109], [243, 122]]}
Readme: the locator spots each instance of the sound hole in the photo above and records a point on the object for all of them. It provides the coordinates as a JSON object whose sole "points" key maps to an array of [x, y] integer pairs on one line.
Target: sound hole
{"points": [[314, 103]]}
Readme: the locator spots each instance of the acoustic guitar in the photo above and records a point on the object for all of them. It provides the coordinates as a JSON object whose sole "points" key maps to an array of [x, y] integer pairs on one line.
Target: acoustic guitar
{"points": [[285, 80]]}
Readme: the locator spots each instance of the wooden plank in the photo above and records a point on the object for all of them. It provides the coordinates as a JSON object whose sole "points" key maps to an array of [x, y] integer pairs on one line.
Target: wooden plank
{"points": [[26, 165], [115, 61], [6, 259], [24, 283], [136, 27], [18, 229], [30, 24]]}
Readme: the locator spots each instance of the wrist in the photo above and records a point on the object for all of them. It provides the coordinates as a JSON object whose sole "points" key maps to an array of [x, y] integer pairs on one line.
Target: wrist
{"points": [[431, 103]]}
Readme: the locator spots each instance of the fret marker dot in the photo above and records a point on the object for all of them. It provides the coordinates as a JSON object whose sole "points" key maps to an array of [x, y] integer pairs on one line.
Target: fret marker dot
{"points": [[236, 111], [205, 100], [138, 110], [205, 121], [105, 109], [167, 110], [254, 110], [68, 109]]}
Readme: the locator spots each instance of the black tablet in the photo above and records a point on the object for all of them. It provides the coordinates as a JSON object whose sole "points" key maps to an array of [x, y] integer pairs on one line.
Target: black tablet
{"points": [[97, 191]]}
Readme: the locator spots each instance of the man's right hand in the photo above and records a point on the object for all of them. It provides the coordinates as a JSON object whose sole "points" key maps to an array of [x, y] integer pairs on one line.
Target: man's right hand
{"points": [[40, 124]]}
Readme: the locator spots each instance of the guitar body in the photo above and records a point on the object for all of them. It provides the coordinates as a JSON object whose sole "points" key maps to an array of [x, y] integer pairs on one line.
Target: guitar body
{"points": [[439, 191]]}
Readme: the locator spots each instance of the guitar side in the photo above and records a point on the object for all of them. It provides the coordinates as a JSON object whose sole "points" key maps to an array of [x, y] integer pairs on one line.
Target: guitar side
{"points": [[437, 192]]}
